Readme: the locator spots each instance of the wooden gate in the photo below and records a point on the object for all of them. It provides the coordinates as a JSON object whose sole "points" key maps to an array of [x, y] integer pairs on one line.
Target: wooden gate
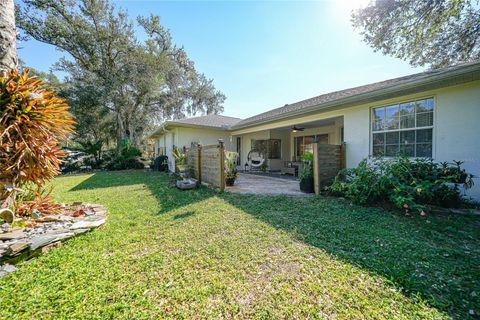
{"points": [[207, 164], [328, 160]]}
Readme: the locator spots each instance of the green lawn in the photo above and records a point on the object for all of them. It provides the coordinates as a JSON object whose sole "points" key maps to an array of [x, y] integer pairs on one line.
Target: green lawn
{"points": [[203, 254]]}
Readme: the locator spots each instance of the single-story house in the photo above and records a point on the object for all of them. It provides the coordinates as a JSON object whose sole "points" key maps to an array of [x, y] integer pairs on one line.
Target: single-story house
{"points": [[182, 133], [434, 114]]}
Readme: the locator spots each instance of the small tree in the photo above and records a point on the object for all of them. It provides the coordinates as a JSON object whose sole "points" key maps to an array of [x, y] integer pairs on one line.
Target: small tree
{"points": [[33, 122]]}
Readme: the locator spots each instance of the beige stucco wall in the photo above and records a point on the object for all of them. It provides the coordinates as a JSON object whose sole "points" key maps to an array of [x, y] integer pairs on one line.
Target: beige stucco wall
{"points": [[456, 133], [285, 137], [456, 127], [183, 137], [203, 136], [167, 141], [246, 143]]}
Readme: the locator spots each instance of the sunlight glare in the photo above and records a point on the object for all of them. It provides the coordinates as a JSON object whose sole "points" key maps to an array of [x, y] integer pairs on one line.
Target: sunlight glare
{"points": [[350, 5]]}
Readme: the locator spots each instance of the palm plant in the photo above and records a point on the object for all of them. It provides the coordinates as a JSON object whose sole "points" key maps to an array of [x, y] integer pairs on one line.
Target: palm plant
{"points": [[230, 167], [180, 159], [33, 122]]}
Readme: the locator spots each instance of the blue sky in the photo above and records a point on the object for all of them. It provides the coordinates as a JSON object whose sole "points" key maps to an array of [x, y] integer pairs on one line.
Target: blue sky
{"points": [[262, 55]]}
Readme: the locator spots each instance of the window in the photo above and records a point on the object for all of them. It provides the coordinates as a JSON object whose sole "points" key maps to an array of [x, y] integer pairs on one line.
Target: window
{"points": [[304, 144], [403, 129], [271, 147]]}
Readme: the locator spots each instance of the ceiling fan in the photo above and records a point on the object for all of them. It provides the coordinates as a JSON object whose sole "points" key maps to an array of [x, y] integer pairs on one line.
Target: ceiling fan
{"points": [[297, 129]]}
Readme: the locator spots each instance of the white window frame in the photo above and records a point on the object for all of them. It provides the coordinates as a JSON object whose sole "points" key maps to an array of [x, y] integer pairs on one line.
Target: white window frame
{"points": [[399, 102], [315, 136]]}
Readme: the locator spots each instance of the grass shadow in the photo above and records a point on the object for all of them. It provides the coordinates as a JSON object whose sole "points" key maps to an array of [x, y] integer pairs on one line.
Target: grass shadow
{"points": [[434, 257], [161, 185], [183, 215]]}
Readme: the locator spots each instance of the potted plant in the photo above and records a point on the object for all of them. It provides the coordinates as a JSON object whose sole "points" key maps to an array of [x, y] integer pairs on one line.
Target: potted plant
{"points": [[306, 179], [306, 175], [230, 168], [264, 167]]}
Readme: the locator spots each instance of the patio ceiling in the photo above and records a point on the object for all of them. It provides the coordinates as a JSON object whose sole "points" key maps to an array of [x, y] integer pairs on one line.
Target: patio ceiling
{"points": [[313, 124]]}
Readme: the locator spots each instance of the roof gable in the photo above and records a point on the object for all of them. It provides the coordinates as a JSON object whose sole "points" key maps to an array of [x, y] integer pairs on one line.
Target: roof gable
{"points": [[215, 121]]}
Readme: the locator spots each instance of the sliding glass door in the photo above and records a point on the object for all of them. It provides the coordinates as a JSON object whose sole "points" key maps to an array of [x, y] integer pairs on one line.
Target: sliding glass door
{"points": [[304, 144]]}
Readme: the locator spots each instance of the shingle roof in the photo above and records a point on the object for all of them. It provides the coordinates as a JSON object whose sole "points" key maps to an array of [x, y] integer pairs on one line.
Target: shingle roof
{"points": [[332, 97], [211, 120]]}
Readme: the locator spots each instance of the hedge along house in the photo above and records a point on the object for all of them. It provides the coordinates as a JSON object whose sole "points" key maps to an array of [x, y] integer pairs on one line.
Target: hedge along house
{"points": [[434, 114], [206, 130]]}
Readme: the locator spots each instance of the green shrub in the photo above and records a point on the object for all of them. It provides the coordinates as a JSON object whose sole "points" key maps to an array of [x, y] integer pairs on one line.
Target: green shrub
{"points": [[307, 156], [306, 174], [123, 163], [405, 183], [231, 164], [127, 158], [33, 123]]}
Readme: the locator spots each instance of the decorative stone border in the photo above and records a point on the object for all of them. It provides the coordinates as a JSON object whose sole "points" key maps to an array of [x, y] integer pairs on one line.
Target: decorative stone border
{"points": [[458, 211], [23, 243]]}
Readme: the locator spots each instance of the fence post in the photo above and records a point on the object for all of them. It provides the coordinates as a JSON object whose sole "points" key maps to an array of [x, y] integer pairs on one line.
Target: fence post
{"points": [[222, 164], [199, 160], [343, 159], [316, 169]]}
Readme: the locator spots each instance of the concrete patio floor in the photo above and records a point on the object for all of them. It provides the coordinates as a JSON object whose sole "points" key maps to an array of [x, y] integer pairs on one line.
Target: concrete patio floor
{"points": [[256, 184]]}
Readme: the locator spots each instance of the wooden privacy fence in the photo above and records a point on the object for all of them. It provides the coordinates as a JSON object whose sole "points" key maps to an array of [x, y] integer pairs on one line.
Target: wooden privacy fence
{"points": [[328, 160], [207, 164]]}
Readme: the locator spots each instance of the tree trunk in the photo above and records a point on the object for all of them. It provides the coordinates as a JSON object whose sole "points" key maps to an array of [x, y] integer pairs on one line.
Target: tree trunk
{"points": [[8, 34], [121, 135]]}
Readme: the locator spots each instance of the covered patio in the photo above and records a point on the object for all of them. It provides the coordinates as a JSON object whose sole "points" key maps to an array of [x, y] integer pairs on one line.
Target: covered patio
{"points": [[248, 183], [284, 144]]}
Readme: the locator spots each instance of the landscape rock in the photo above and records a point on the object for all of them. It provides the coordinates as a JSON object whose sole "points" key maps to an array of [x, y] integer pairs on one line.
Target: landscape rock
{"points": [[6, 269], [5, 227], [64, 236], [48, 219], [51, 246], [58, 230], [16, 248], [41, 240], [47, 233], [186, 184], [15, 234], [79, 231], [88, 224]]}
